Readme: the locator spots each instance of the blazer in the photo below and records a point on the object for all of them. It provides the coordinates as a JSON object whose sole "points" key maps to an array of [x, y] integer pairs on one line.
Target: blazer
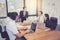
{"points": [[47, 23], [22, 17]]}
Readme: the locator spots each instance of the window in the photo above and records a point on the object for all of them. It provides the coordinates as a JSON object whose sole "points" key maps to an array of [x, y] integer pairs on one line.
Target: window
{"points": [[15, 5], [3, 8], [31, 6]]}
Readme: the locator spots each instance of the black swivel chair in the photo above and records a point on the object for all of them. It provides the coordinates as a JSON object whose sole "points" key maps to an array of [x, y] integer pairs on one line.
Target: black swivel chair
{"points": [[4, 34], [53, 23], [0, 29]]}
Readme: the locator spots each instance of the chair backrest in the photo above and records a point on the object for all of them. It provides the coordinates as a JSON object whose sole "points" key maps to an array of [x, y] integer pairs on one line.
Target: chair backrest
{"points": [[53, 22], [53, 19], [0, 29], [4, 34]]}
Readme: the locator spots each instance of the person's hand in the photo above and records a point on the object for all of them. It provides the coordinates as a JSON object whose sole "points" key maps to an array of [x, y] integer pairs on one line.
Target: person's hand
{"points": [[27, 31], [35, 21]]}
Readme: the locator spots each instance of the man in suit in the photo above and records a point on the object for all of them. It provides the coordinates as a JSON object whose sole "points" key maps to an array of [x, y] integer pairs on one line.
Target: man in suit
{"points": [[23, 14]]}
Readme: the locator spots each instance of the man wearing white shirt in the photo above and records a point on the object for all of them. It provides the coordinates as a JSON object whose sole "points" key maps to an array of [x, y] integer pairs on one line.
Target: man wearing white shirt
{"points": [[11, 27], [4, 23]]}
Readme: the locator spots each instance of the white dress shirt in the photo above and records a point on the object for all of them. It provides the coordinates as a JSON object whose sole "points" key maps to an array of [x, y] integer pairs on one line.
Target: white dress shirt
{"points": [[41, 19], [4, 22], [11, 28]]}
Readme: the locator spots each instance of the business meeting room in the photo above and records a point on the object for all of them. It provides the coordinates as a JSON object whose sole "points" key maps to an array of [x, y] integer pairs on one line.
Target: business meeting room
{"points": [[29, 19]]}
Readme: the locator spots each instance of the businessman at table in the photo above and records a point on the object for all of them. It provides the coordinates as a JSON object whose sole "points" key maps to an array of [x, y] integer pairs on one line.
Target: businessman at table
{"points": [[11, 27], [23, 14]]}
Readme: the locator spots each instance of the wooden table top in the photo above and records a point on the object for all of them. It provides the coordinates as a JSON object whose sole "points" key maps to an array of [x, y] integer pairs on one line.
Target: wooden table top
{"points": [[40, 34], [43, 35]]}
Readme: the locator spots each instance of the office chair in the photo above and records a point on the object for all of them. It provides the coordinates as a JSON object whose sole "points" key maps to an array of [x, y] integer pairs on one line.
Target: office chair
{"points": [[4, 34], [53, 23], [0, 29]]}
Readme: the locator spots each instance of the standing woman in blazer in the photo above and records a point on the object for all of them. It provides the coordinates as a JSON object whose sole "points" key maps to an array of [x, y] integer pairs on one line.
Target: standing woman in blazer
{"points": [[23, 14]]}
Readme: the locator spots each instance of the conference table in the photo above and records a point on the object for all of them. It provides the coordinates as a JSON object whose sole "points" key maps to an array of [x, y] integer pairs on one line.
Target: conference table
{"points": [[40, 34], [43, 35]]}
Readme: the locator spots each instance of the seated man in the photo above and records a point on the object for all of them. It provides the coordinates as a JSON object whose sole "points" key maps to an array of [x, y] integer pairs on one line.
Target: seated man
{"points": [[11, 27]]}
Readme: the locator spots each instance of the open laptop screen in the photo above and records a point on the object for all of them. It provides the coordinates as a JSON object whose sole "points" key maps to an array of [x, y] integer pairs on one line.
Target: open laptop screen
{"points": [[33, 27]]}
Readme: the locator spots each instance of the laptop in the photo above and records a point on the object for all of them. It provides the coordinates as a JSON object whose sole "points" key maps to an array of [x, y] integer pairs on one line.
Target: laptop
{"points": [[33, 27], [41, 25]]}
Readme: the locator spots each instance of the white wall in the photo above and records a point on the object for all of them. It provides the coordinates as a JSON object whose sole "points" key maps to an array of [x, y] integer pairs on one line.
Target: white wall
{"points": [[52, 7]]}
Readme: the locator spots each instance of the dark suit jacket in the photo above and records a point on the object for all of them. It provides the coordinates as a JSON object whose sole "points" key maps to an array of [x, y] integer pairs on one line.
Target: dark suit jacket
{"points": [[22, 17], [47, 23]]}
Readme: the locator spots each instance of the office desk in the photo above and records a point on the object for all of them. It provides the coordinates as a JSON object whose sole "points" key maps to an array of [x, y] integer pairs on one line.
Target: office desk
{"points": [[43, 35], [40, 34]]}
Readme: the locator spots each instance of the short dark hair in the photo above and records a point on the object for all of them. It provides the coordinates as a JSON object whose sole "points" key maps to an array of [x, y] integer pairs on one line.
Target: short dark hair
{"points": [[46, 15], [12, 15], [41, 12]]}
